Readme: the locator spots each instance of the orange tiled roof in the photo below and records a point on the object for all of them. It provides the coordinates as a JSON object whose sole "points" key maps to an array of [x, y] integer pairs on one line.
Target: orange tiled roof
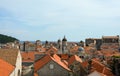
{"points": [[40, 48], [40, 63], [65, 62], [52, 49], [96, 65], [74, 49], [85, 64], [116, 54], [109, 53], [64, 56], [39, 52], [107, 72], [87, 49], [35, 74], [5, 68], [99, 67], [99, 53], [74, 58], [9, 55], [28, 56]]}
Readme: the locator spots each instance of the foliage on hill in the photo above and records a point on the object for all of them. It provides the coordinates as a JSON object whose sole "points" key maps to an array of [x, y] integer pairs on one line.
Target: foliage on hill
{"points": [[6, 39]]}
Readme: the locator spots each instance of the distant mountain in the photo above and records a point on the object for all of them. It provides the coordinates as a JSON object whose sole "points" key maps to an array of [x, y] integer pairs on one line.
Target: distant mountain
{"points": [[6, 39]]}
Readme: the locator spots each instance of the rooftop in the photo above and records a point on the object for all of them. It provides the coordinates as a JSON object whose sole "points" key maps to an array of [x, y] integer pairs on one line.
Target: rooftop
{"points": [[5, 68], [9, 55], [40, 63]]}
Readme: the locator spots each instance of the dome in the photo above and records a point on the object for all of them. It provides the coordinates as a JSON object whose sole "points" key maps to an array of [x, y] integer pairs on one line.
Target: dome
{"points": [[59, 40], [64, 39], [46, 42], [38, 41], [80, 49]]}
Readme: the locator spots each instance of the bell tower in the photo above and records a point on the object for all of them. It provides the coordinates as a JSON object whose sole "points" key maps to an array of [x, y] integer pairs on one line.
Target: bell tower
{"points": [[64, 45], [59, 46]]}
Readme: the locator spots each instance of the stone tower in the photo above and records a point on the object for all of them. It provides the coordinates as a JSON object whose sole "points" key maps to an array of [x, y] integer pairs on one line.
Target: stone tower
{"points": [[64, 46], [59, 46], [46, 44], [38, 42]]}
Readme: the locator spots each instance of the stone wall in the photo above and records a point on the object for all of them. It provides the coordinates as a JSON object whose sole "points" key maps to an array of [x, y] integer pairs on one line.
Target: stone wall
{"points": [[56, 71]]}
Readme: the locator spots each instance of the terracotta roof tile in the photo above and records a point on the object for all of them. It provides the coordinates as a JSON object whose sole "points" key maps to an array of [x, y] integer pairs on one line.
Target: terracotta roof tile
{"points": [[35, 74], [85, 64], [87, 49], [28, 56], [101, 68], [98, 66], [9, 55], [40, 48], [74, 49], [5, 68], [40, 63], [107, 72], [65, 62], [64, 56], [73, 59], [53, 49], [109, 53]]}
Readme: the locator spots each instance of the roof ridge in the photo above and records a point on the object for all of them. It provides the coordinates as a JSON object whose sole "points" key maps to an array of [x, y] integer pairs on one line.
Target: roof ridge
{"points": [[42, 61], [103, 70], [61, 64], [49, 58], [98, 62]]}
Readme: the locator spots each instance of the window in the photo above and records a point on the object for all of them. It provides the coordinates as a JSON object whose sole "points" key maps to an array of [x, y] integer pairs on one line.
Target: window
{"points": [[51, 66], [18, 72]]}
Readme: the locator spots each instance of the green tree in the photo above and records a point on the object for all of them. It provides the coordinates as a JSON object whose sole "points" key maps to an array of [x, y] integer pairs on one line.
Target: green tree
{"points": [[6, 39]]}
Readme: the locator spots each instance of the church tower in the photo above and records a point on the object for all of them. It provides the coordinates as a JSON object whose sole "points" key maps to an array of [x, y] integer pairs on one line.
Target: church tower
{"points": [[64, 46], [59, 46], [38, 42], [46, 44]]}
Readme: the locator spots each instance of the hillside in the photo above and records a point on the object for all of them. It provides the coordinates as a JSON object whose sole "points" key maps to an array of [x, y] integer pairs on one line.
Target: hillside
{"points": [[6, 39]]}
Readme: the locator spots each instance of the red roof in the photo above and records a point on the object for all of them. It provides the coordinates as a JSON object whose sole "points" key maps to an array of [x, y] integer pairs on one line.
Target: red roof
{"points": [[73, 59], [5, 68], [28, 56], [42, 62], [99, 67], [74, 49], [85, 64], [35, 74], [64, 56], [40, 48], [65, 62], [52, 49]]}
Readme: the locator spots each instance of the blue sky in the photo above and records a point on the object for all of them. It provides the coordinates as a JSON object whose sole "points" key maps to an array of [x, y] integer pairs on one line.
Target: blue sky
{"points": [[52, 19]]}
